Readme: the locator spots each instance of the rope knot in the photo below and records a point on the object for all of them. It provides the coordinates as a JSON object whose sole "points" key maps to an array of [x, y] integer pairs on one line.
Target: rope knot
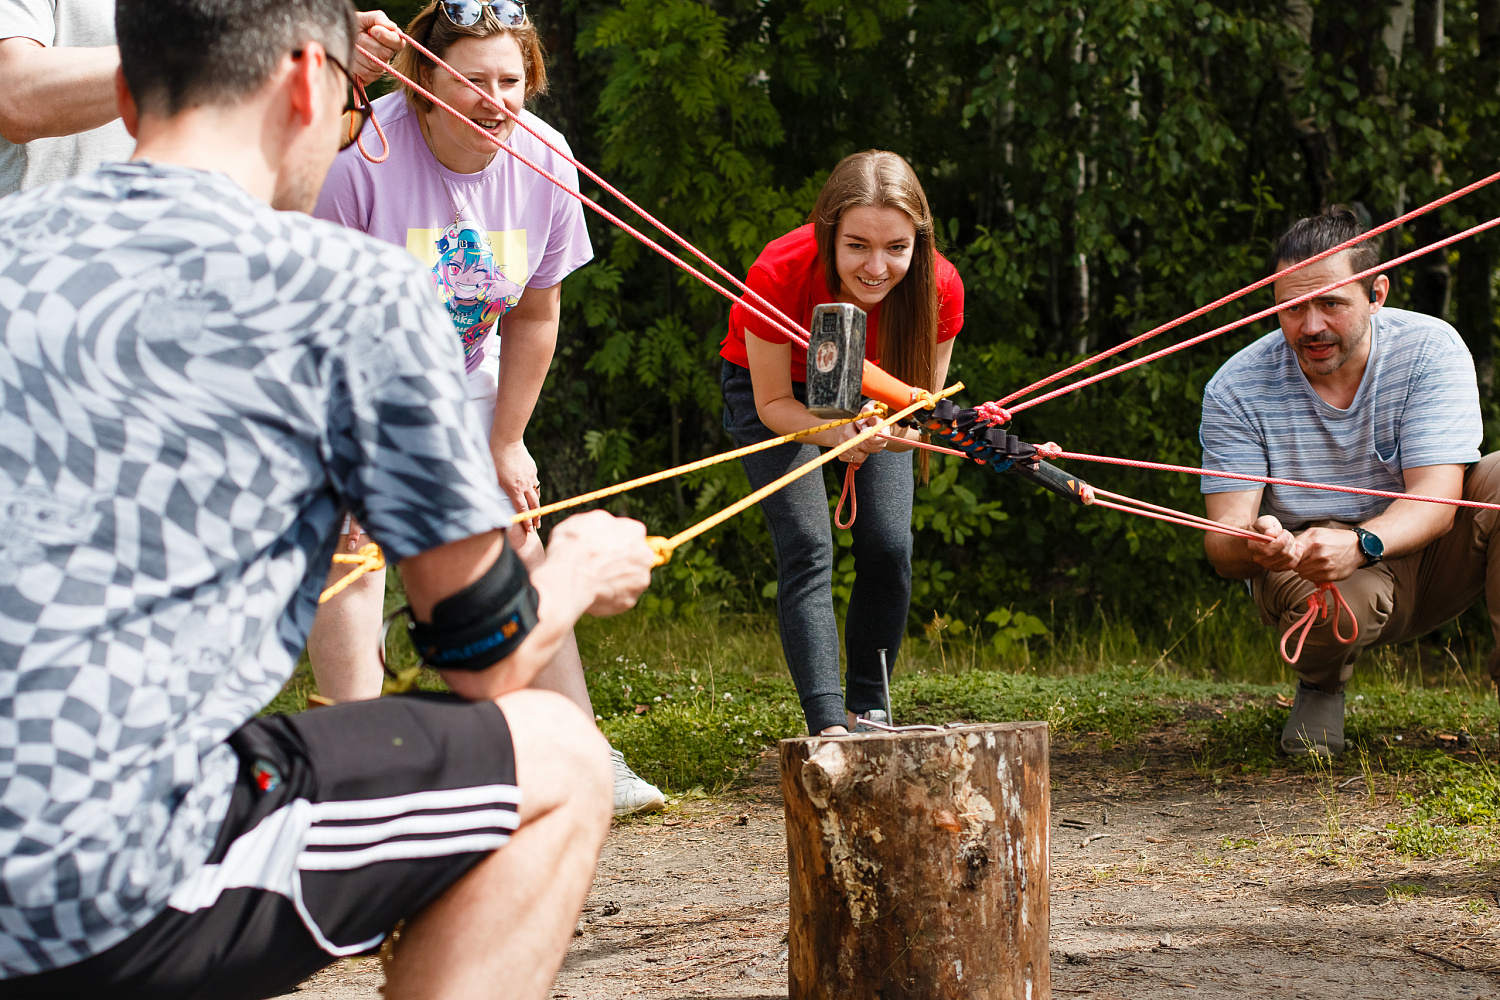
{"points": [[368, 559], [993, 413], [1049, 450], [1323, 603]]}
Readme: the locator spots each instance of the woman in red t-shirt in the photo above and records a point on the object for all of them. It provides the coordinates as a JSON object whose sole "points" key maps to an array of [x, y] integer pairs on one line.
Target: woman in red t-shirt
{"points": [[870, 243]]}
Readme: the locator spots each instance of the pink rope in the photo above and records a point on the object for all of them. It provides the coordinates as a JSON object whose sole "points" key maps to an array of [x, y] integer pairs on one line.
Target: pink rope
{"points": [[1120, 348], [1318, 609], [848, 494], [606, 185], [923, 445], [1051, 450], [798, 338], [1173, 516], [1190, 342]]}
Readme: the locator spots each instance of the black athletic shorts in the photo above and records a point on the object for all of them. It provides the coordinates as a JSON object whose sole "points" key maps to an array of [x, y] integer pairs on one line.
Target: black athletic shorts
{"points": [[345, 821]]}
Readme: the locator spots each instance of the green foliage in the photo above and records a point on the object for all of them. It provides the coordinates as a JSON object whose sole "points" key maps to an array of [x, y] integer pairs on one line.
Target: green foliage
{"points": [[1459, 805], [1097, 169]]}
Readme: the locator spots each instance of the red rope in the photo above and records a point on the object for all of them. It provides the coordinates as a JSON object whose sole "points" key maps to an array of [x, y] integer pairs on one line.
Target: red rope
{"points": [[1120, 348], [1051, 450], [1318, 610], [606, 185], [848, 494], [1092, 493], [797, 337], [924, 445], [1192, 341]]}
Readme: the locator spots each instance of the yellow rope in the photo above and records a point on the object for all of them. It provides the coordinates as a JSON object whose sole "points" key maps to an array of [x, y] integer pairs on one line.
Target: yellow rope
{"points": [[367, 560], [665, 546], [681, 470]]}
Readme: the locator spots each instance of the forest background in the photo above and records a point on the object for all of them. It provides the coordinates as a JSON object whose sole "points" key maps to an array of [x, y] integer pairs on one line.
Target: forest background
{"points": [[1096, 169]]}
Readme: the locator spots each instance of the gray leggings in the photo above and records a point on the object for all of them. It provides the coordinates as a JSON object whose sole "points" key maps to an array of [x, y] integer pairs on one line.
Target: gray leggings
{"points": [[802, 534]]}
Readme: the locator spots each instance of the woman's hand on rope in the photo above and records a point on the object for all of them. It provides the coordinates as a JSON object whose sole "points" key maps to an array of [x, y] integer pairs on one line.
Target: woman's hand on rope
{"points": [[517, 472], [605, 558], [1328, 555], [379, 36], [1280, 552], [856, 456]]}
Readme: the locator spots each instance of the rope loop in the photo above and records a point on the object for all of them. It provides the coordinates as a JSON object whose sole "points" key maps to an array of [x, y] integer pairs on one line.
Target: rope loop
{"points": [[850, 496], [1049, 450], [359, 140], [1321, 603]]}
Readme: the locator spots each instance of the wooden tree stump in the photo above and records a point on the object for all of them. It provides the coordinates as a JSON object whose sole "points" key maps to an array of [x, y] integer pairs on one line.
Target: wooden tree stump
{"points": [[918, 864]]}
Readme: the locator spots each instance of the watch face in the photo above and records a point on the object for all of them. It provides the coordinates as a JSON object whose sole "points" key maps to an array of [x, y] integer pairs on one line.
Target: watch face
{"points": [[1370, 544]]}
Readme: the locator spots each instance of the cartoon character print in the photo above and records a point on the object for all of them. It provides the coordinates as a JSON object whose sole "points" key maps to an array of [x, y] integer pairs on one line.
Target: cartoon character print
{"points": [[30, 520], [476, 292]]}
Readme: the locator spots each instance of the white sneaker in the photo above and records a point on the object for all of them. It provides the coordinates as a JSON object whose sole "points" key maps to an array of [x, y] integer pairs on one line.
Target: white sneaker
{"points": [[634, 794]]}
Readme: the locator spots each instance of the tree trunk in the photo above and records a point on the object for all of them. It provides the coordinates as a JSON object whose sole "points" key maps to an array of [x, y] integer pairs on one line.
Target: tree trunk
{"points": [[1317, 154], [1475, 294], [1432, 283], [918, 864]]}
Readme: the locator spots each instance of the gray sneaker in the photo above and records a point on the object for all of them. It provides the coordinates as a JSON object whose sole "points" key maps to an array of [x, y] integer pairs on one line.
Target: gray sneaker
{"points": [[1315, 725], [873, 715]]}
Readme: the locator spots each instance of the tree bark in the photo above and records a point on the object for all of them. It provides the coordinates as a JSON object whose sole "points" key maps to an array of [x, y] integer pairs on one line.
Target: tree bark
{"points": [[1475, 294], [1432, 282], [918, 864], [1317, 153]]}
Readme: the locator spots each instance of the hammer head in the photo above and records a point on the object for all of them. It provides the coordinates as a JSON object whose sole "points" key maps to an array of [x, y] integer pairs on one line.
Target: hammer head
{"points": [[836, 360]]}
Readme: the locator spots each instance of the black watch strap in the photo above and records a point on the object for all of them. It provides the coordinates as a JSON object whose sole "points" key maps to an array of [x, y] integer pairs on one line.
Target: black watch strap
{"points": [[1370, 546]]}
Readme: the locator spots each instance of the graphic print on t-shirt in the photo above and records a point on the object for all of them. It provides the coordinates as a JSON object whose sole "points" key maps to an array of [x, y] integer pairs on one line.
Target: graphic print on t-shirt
{"points": [[477, 284]]}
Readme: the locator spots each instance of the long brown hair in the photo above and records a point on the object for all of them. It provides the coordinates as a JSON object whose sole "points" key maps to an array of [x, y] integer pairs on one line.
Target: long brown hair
{"points": [[909, 317], [438, 33]]}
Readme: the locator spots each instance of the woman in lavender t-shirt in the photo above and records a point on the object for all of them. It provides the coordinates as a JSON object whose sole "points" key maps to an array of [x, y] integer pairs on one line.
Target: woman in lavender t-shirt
{"points": [[499, 238]]}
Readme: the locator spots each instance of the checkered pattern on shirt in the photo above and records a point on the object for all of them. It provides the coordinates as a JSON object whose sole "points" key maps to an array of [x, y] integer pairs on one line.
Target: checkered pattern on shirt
{"points": [[194, 387]]}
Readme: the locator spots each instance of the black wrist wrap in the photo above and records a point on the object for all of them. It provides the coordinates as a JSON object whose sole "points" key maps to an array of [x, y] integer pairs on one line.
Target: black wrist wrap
{"points": [[481, 624]]}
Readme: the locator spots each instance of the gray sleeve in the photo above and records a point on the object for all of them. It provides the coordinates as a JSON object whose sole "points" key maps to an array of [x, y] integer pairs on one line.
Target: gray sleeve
{"points": [[407, 453], [1441, 423], [1230, 444], [28, 19]]}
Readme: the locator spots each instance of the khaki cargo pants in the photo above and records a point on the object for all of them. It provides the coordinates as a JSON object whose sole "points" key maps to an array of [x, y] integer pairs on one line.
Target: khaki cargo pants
{"points": [[1398, 600]]}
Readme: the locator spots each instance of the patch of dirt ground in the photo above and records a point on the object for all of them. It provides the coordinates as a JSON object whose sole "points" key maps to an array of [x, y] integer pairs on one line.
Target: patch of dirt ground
{"points": [[1264, 887]]}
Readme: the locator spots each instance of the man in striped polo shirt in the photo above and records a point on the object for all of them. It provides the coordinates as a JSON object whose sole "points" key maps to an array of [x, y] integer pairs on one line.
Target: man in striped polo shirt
{"points": [[1351, 393]]}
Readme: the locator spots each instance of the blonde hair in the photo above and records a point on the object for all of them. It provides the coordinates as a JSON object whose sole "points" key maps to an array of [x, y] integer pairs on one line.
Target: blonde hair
{"points": [[909, 319], [436, 32]]}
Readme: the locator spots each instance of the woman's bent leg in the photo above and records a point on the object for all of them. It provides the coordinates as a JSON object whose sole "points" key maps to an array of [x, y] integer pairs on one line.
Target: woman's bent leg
{"points": [[881, 598], [803, 538]]}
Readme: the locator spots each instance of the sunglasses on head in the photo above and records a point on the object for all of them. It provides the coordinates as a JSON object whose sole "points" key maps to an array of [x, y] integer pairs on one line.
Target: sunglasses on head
{"points": [[466, 13]]}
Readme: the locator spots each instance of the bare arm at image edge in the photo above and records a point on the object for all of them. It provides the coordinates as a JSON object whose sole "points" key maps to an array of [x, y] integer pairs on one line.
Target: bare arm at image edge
{"points": [[55, 91]]}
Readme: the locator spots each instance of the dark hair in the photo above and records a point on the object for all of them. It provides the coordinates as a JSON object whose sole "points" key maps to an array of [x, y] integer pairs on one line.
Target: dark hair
{"points": [[909, 320], [1318, 233], [438, 33], [180, 53]]}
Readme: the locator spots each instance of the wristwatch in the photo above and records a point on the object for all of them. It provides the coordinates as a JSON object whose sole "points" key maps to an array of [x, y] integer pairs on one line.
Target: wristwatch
{"points": [[1370, 545]]}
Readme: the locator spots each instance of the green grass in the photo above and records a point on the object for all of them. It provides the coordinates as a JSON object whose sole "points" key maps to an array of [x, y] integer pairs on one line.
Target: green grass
{"points": [[693, 701]]}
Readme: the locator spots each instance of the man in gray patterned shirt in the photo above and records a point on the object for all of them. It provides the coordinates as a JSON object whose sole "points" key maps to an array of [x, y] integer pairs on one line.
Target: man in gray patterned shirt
{"points": [[195, 384]]}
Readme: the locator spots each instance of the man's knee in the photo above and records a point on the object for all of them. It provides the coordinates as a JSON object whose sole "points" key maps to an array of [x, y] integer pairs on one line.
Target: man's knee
{"points": [[562, 760]]}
